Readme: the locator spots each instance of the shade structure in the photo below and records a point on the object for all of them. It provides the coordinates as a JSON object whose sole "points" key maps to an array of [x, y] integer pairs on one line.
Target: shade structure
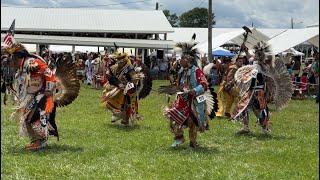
{"points": [[293, 52], [222, 52], [236, 37], [294, 37]]}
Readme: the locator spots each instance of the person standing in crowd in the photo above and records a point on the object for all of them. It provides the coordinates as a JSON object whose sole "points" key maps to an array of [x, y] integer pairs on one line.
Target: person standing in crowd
{"points": [[68, 57], [289, 68], [45, 55], [163, 67], [97, 71], [174, 67], [211, 72], [296, 66], [315, 69], [204, 62], [147, 62], [59, 60], [80, 67], [7, 76], [88, 68], [215, 72], [153, 62], [311, 78], [155, 71]]}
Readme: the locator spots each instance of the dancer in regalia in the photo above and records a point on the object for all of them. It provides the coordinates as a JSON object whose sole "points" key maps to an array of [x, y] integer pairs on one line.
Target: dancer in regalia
{"points": [[267, 75], [38, 91], [195, 100], [126, 85]]}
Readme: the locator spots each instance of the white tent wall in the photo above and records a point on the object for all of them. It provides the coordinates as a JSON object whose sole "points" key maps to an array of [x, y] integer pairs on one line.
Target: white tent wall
{"points": [[218, 40], [234, 36], [315, 41], [293, 52], [30, 47], [252, 39], [291, 38]]}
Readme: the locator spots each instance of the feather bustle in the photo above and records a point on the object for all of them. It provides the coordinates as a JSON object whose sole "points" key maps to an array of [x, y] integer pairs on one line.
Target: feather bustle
{"points": [[68, 84]]}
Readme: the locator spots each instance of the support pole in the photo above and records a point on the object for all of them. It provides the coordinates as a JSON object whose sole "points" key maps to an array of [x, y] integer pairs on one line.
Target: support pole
{"points": [[37, 49], [143, 55], [210, 31]]}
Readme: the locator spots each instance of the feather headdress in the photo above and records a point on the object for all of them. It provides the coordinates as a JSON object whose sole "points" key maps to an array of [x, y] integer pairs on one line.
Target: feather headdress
{"points": [[187, 48], [278, 81], [119, 57], [263, 54]]}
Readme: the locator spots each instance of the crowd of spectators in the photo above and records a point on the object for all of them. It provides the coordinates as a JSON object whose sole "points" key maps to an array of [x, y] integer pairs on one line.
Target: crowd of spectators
{"points": [[305, 76]]}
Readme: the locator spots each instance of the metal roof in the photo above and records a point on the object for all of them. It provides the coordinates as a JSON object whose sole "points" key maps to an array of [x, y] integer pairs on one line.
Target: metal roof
{"points": [[84, 20], [92, 41]]}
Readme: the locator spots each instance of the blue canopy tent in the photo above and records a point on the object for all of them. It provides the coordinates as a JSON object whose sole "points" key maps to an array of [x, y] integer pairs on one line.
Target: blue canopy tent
{"points": [[219, 51]]}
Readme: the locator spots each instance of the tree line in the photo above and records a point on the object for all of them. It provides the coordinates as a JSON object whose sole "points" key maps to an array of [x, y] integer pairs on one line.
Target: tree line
{"points": [[196, 17]]}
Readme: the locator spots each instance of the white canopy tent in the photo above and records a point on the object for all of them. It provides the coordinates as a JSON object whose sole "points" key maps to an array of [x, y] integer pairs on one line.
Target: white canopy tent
{"points": [[234, 36], [293, 37], [315, 40], [293, 52], [30, 47], [220, 48]]}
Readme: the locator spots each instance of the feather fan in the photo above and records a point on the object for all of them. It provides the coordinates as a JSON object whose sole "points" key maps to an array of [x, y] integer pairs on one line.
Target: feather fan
{"points": [[170, 89]]}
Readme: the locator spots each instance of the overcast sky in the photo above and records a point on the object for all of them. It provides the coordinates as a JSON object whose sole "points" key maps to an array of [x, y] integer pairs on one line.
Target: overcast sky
{"points": [[229, 13]]}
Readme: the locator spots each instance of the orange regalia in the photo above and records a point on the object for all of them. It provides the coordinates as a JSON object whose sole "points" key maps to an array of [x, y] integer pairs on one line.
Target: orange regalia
{"points": [[38, 91]]}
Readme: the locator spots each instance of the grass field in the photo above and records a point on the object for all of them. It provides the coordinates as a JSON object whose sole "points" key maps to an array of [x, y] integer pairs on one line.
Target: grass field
{"points": [[91, 147]]}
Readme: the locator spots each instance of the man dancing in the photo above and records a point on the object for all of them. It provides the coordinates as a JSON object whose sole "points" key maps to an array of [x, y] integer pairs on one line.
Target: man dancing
{"points": [[125, 86], [36, 89], [194, 103], [267, 75]]}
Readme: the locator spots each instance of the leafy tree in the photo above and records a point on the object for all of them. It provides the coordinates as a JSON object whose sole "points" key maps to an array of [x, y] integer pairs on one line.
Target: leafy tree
{"points": [[172, 18], [197, 17]]}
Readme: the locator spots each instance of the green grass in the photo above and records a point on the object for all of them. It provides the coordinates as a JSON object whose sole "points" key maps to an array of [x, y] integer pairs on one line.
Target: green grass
{"points": [[91, 147]]}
